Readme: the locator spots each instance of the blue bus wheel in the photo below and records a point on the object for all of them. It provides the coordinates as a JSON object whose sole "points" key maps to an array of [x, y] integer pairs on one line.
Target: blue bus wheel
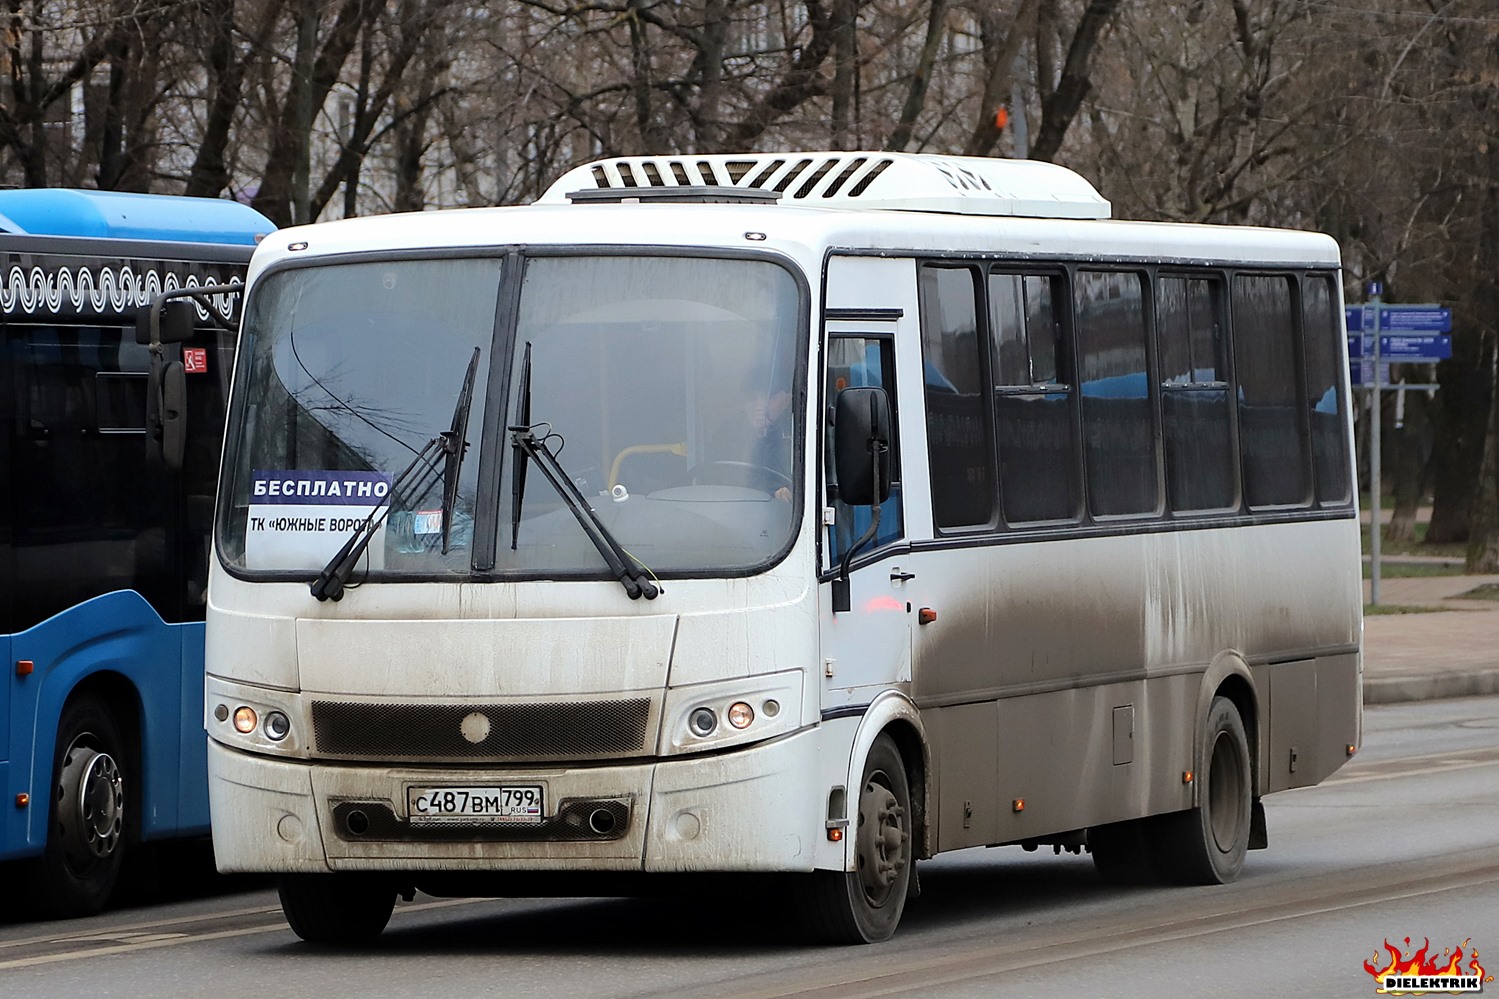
{"points": [[86, 816]]}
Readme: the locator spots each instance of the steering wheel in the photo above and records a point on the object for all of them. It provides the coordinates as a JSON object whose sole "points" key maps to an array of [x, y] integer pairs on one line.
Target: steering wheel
{"points": [[739, 473]]}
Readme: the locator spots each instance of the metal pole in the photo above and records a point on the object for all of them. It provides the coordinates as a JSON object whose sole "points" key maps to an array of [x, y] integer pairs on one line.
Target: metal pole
{"points": [[1374, 484]]}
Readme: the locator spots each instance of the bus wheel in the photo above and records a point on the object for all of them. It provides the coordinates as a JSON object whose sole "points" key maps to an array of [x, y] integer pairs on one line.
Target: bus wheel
{"points": [[86, 820], [1206, 845], [864, 905], [336, 908]]}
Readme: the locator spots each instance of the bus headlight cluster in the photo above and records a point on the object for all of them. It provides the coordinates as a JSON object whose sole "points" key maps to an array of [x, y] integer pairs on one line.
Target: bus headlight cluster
{"points": [[238, 717], [731, 712]]}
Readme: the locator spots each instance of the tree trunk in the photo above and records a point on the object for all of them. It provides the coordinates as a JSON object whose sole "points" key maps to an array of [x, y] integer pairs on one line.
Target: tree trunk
{"points": [[1001, 45], [1061, 107], [1483, 537], [1409, 465], [921, 78]]}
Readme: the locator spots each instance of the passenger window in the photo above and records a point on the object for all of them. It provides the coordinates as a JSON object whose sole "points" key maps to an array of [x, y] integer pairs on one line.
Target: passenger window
{"points": [[1272, 437], [1197, 426], [954, 373], [857, 362], [1118, 419], [1033, 393], [1327, 409]]}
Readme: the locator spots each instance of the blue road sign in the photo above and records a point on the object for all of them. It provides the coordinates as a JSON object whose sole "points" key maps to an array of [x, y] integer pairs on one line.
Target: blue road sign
{"points": [[1412, 346], [1415, 319], [1402, 346]]}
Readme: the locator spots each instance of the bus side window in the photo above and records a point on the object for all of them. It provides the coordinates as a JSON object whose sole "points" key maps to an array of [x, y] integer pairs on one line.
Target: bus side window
{"points": [[856, 362], [1197, 425], [955, 373], [1272, 439], [1328, 409], [1033, 398], [1118, 418]]}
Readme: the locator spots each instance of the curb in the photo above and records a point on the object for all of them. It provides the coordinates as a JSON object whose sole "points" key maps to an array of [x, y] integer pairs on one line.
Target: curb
{"points": [[1430, 687]]}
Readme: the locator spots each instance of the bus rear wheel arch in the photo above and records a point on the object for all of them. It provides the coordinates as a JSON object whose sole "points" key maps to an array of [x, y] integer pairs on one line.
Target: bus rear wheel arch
{"points": [[87, 812], [1207, 844]]}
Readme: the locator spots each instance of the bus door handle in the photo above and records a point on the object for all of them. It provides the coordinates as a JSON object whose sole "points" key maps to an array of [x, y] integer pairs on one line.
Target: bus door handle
{"points": [[896, 576]]}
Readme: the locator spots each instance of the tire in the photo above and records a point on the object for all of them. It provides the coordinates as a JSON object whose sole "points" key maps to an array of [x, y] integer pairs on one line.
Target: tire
{"points": [[341, 909], [1121, 852], [86, 814], [1206, 845], [865, 905]]}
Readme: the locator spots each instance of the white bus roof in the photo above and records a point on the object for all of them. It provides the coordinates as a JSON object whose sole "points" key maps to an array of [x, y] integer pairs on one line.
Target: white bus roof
{"points": [[692, 216], [966, 185]]}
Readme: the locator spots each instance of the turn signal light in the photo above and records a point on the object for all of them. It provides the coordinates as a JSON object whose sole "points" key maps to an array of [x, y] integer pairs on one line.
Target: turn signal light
{"points": [[1187, 776]]}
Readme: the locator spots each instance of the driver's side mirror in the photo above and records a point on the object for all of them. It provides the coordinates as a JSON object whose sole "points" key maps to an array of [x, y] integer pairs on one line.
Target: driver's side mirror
{"points": [[174, 322], [861, 443]]}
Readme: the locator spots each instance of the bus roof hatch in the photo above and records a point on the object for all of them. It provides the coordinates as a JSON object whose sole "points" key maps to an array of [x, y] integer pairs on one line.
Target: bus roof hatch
{"points": [[968, 185]]}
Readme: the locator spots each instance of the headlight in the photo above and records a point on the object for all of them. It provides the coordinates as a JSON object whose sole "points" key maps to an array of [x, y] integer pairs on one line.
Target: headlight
{"points": [[277, 725]]}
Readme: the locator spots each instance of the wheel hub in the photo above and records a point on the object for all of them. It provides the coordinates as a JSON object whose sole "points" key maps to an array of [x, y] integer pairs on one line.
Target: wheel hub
{"points": [[91, 805], [881, 841]]}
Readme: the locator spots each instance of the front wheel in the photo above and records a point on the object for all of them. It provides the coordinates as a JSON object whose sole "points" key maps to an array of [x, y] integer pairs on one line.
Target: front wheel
{"points": [[86, 814], [1206, 845], [864, 905], [336, 908]]}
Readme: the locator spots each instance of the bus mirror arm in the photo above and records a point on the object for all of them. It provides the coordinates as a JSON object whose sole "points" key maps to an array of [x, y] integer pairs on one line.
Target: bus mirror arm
{"points": [[861, 422], [842, 600]]}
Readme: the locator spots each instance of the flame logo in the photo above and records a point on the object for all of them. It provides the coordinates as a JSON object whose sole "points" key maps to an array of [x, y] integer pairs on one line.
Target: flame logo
{"points": [[1418, 964]]}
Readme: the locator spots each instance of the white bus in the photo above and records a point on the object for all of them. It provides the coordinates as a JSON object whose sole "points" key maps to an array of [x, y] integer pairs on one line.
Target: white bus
{"points": [[796, 514]]}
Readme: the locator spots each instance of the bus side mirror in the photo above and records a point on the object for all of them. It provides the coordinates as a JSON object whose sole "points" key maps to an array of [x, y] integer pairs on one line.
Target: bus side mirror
{"points": [[174, 322], [166, 411], [861, 439]]}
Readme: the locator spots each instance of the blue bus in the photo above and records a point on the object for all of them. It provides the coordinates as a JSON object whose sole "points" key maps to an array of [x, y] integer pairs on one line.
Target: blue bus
{"points": [[103, 539]]}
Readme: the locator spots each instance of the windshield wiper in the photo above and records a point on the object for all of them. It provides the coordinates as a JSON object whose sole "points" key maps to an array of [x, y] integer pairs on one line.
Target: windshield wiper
{"points": [[520, 455], [330, 583], [632, 575], [454, 445]]}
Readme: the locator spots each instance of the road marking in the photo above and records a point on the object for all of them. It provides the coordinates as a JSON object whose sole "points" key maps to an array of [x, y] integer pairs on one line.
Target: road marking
{"points": [[258, 910], [130, 942], [987, 962]]}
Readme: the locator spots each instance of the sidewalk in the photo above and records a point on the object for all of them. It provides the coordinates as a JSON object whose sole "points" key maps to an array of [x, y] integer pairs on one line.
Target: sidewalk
{"points": [[1453, 652]]}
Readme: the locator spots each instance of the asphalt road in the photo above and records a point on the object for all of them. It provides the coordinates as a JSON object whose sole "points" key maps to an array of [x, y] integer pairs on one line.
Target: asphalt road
{"points": [[1403, 842]]}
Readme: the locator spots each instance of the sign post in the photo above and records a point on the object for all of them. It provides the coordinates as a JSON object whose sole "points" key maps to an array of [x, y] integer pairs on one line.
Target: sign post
{"points": [[1404, 333], [1376, 288]]}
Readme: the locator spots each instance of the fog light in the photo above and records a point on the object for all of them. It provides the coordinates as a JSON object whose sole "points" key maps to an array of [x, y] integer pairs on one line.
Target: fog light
{"points": [[244, 720], [702, 721], [277, 726], [741, 714]]}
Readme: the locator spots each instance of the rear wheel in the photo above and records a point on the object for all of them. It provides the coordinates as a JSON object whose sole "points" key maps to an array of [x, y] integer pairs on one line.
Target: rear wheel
{"points": [[86, 814], [1206, 844], [864, 905], [336, 908]]}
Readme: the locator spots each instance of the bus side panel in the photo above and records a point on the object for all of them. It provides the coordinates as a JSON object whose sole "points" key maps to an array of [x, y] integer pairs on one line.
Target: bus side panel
{"points": [[117, 634], [192, 794]]}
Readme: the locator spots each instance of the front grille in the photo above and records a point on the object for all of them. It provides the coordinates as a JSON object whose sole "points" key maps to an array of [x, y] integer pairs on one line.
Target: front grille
{"points": [[536, 731]]}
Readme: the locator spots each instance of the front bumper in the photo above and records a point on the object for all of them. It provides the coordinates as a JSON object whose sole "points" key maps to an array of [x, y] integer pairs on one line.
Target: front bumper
{"points": [[751, 809]]}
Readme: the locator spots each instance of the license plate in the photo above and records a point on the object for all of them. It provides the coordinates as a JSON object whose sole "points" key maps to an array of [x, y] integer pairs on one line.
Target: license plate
{"points": [[505, 804]]}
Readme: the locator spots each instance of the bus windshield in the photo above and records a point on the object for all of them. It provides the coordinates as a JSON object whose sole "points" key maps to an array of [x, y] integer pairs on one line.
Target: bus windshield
{"points": [[663, 386]]}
